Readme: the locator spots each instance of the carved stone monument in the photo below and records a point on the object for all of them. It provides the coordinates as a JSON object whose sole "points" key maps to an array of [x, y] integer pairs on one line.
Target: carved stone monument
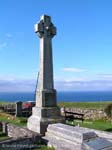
{"points": [[65, 137], [46, 110], [18, 109]]}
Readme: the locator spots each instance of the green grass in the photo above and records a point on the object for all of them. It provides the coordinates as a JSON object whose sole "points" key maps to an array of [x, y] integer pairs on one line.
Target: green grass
{"points": [[3, 136], [85, 105], [20, 121], [97, 124], [2, 102], [89, 105], [100, 125], [43, 147]]}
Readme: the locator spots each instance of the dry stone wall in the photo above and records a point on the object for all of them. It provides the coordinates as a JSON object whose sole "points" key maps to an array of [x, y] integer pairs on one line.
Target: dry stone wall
{"points": [[16, 131], [93, 114], [21, 138], [17, 144]]}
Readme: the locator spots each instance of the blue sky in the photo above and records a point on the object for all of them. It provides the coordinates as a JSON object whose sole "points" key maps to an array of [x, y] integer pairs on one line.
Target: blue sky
{"points": [[82, 48]]}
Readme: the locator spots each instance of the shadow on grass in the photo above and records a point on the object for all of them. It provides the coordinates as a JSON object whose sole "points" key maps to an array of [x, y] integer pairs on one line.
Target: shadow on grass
{"points": [[109, 129], [2, 134]]}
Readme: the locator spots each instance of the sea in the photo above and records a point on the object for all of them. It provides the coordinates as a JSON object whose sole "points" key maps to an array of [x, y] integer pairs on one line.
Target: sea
{"points": [[62, 96]]}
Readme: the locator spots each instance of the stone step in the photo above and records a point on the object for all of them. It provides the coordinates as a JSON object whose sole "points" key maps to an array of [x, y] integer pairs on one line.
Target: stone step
{"points": [[61, 144], [74, 134], [98, 144], [65, 137]]}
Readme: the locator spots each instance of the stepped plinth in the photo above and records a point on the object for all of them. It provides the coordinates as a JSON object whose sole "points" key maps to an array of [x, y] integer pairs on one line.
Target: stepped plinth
{"points": [[64, 137], [46, 111]]}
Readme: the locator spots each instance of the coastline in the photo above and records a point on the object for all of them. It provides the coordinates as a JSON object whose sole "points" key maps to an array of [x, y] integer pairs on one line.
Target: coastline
{"points": [[62, 96]]}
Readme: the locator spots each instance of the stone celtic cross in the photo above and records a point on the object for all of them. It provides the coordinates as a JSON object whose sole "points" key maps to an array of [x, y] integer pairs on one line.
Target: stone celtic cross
{"points": [[45, 27], [46, 31], [46, 111]]}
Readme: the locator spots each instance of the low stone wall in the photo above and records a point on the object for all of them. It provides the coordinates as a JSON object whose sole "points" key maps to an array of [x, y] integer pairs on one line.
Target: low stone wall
{"points": [[17, 144], [0, 126], [21, 138], [17, 132], [93, 114], [103, 134]]}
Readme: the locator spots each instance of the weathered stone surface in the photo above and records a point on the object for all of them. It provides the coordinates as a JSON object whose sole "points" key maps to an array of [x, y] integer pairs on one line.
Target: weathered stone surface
{"points": [[4, 127], [61, 144], [18, 132], [20, 138], [41, 117], [1, 128], [74, 134], [24, 143], [46, 98], [102, 134], [98, 144], [45, 92], [18, 109], [46, 110], [93, 114], [64, 137]]}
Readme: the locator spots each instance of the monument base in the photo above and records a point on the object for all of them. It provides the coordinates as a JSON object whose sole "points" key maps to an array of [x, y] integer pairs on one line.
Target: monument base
{"points": [[65, 137], [42, 116]]}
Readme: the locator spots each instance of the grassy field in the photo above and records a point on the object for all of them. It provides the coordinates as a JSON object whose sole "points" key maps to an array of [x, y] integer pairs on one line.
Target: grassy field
{"points": [[100, 125], [96, 124], [2, 102], [43, 147], [93, 124], [85, 105], [3, 136], [20, 121], [89, 105]]}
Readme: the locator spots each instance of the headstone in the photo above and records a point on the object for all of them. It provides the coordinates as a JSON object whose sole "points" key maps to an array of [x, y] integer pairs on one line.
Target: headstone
{"points": [[4, 127], [0, 126], [98, 144], [46, 110], [18, 109], [64, 137]]}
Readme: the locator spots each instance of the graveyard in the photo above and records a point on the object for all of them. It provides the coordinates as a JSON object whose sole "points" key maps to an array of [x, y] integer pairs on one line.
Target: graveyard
{"points": [[45, 122], [100, 123], [22, 122]]}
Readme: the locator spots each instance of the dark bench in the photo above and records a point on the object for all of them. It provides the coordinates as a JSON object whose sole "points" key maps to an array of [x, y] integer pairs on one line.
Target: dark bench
{"points": [[71, 116]]}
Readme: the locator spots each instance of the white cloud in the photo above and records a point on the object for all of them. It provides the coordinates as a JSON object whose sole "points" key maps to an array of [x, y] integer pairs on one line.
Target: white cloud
{"points": [[105, 76], [70, 79], [74, 79], [69, 69], [12, 84], [8, 35], [3, 45], [17, 85], [84, 85]]}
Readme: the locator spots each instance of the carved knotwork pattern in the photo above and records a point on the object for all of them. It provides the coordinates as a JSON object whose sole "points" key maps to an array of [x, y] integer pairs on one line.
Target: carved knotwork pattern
{"points": [[44, 29]]}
